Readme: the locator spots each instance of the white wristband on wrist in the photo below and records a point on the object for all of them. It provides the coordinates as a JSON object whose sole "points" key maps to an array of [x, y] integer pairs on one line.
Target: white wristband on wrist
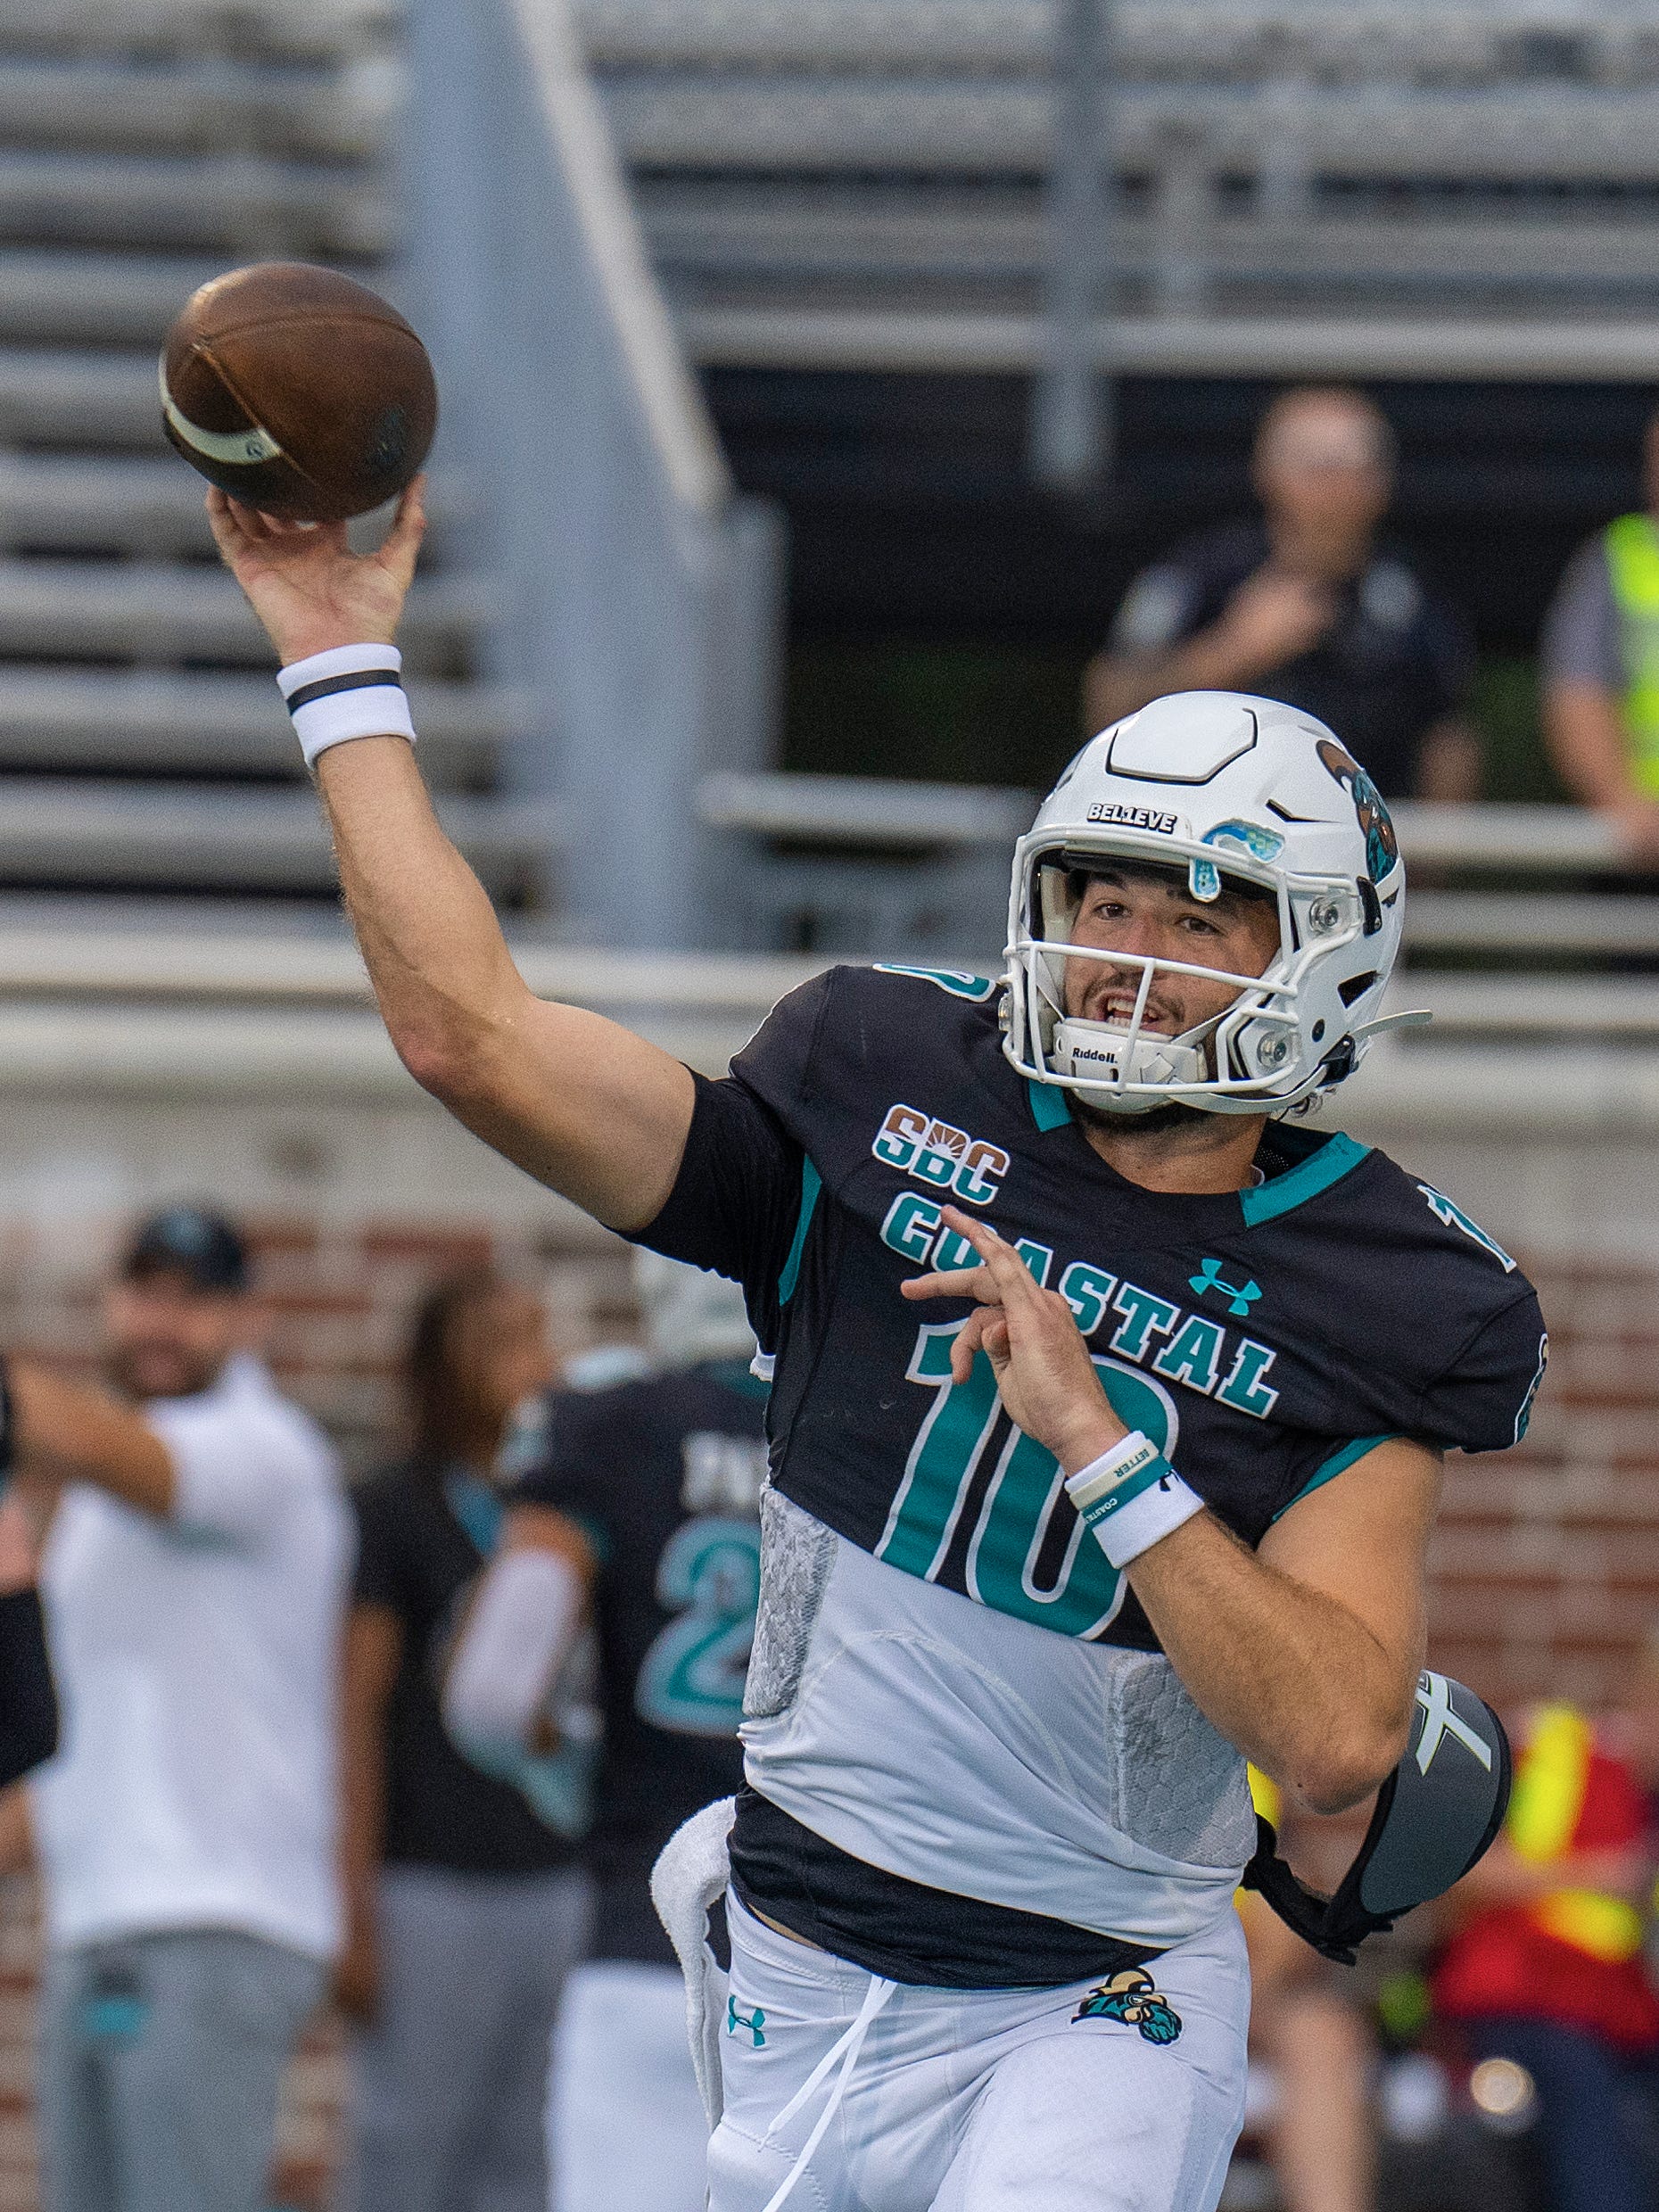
{"points": [[350, 691], [1131, 1498]]}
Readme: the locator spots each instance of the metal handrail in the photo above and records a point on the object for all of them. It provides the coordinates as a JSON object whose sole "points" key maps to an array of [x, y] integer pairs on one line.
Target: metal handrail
{"points": [[580, 139], [639, 599]]}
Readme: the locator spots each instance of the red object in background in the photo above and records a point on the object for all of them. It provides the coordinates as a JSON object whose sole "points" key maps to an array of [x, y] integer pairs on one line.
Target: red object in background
{"points": [[1510, 1959]]}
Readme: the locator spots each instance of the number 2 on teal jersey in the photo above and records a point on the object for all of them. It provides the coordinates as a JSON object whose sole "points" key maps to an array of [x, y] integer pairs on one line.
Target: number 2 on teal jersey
{"points": [[1025, 1489], [692, 1681]]}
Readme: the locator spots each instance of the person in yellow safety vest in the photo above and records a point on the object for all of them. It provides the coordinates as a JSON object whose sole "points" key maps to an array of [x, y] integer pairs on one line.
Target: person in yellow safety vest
{"points": [[1598, 667], [1305, 2027], [1546, 1968]]}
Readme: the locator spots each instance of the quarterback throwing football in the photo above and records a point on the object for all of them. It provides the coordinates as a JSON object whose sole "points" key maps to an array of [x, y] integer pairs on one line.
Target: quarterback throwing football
{"points": [[1105, 1431]]}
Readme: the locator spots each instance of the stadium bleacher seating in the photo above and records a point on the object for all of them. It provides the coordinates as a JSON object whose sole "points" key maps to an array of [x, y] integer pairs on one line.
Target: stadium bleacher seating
{"points": [[143, 149], [860, 181]]}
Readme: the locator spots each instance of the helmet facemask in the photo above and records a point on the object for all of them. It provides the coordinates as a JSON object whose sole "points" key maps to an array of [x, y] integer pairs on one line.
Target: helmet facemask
{"points": [[1222, 1062]]}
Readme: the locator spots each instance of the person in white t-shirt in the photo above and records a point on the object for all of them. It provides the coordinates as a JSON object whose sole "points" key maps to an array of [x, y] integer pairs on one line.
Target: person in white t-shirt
{"points": [[194, 1579]]}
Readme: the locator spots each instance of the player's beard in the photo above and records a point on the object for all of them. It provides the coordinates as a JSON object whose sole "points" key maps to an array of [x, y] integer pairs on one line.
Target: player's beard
{"points": [[1160, 1121]]}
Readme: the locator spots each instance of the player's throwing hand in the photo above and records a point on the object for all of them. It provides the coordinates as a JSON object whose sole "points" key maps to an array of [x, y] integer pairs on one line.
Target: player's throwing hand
{"points": [[305, 584], [1044, 1375]]}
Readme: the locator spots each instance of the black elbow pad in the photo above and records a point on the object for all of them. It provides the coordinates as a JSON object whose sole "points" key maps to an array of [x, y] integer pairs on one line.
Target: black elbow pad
{"points": [[1436, 1815]]}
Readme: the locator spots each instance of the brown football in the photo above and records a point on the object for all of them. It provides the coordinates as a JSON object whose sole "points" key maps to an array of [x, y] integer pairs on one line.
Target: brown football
{"points": [[297, 391]]}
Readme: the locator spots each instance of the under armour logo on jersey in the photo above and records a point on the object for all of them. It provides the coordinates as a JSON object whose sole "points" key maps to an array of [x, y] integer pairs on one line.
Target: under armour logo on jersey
{"points": [[1453, 1216], [1240, 1296], [751, 2022], [1441, 1720], [937, 1154]]}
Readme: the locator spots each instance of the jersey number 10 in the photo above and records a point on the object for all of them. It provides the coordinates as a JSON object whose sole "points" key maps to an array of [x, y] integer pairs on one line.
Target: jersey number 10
{"points": [[1015, 1529]]}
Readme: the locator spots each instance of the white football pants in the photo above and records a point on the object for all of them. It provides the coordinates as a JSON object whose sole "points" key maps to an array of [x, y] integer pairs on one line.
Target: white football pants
{"points": [[629, 2131], [982, 2101]]}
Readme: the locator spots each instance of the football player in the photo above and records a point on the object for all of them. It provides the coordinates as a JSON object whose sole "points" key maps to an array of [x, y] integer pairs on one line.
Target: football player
{"points": [[661, 1476], [1014, 1645]]}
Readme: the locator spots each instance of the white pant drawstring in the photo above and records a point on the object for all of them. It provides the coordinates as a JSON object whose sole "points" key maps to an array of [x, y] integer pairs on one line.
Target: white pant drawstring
{"points": [[847, 2047]]}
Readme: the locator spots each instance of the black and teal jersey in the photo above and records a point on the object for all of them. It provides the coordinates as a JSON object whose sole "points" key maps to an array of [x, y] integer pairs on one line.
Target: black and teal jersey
{"points": [[663, 1475], [1265, 1338]]}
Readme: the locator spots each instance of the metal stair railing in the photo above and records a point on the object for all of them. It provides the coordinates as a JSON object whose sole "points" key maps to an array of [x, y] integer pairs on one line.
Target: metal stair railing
{"points": [[641, 615]]}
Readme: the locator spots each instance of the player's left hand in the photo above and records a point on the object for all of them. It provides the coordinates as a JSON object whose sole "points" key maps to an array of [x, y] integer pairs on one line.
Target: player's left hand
{"points": [[1044, 1375]]}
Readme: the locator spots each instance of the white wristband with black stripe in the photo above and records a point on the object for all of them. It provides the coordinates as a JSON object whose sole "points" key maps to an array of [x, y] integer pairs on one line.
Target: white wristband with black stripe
{"points": [[350, 691]]}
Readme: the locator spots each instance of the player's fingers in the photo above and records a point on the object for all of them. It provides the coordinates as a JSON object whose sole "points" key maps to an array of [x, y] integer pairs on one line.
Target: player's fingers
{"points": [[249, 521], [408, 526], [966, 1344], [227, 532], [950, 1283], [1013, 1280]]}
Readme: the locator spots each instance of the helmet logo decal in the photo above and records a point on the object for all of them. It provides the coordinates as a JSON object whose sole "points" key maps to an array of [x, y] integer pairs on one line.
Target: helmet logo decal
{"points": [[1240, 1296], [1246, 836], [1136, 817], [1382, 845]]}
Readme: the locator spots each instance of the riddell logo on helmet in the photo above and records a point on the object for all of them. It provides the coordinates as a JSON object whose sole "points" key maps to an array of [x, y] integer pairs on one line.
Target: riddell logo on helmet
{"points": [[936, 1153], [1135, 817]]}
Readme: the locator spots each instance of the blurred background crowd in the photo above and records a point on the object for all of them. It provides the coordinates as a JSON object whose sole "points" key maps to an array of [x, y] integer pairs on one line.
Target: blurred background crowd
{"points": [[847, 404]]}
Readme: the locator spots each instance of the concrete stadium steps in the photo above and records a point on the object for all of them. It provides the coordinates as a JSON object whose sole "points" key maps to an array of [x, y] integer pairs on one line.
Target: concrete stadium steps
{"points": [[859, 183], [726, 239], [149, 611], [247, 206], [121, 720], [72, 503], [200, 106], [104, 504], [317, 30], [107, 402], [51, 297], [145, 147], [938, 125], [125, 835], [1435, 41]]}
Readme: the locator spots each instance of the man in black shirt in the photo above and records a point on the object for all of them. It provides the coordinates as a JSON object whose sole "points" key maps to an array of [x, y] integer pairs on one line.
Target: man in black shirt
{"points": [[1306, 607]]}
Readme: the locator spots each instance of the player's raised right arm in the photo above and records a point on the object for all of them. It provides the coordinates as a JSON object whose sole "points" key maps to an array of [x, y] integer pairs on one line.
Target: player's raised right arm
{"points": [[578, 1102]]}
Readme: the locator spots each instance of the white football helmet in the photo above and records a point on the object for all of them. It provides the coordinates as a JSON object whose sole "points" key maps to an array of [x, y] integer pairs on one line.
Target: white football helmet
{"points": [[1228, 787]]}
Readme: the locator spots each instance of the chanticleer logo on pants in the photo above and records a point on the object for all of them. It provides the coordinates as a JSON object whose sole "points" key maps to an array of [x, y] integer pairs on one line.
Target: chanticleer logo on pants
{"points": [[1131, 1998]]}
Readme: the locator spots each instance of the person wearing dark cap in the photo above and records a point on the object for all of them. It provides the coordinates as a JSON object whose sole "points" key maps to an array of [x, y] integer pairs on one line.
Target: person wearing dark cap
{"points": [[193, 1578]]}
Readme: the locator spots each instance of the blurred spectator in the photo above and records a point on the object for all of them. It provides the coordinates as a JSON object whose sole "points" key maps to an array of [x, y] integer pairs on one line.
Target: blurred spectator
{"points": [[1305, 606], [665, 1476], [195, 1578], [465, 1907], [1546, 1970], [1312, 2045], [1599, 666]]}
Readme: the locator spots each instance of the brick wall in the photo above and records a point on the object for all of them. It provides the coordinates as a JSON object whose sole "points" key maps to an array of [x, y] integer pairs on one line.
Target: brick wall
{"points": [[1545, 1571], [1546, 1565]]}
